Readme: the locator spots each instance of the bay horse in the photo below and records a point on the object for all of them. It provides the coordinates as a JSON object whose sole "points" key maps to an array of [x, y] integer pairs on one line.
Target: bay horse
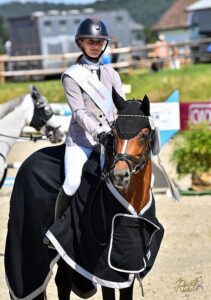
{"points": [[118, 193], [127, 173], [26, 110]]}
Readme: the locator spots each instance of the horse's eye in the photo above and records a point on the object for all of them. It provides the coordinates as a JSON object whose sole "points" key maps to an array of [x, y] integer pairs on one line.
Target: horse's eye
{"points": [[143, 135], [146, 131]]}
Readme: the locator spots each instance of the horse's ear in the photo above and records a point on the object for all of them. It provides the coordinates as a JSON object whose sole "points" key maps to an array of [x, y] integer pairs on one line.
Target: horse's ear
{"points": [[145, 107], [34, 92], [119, 102]]}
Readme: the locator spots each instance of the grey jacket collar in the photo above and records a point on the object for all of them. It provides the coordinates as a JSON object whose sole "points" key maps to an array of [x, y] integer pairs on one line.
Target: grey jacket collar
{"points": [[89, 64]]}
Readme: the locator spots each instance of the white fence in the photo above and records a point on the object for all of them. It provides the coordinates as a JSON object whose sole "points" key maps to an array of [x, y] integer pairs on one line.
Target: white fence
{"points": [[17, 67]]}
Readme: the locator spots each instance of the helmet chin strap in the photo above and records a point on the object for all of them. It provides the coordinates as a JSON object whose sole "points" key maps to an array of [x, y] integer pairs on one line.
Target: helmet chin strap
{"points": [[96, 59]]}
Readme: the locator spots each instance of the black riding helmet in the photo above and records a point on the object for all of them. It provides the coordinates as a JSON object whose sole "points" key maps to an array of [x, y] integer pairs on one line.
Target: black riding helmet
{"points": [[92, 28]]}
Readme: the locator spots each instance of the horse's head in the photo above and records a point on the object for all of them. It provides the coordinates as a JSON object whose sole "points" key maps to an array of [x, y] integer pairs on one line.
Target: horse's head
{"points": [[44, 116], [132, 133]]}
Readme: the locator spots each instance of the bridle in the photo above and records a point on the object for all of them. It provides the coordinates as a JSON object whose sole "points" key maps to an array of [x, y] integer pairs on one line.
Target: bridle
{"points": [[135, 165], [139, 163]]}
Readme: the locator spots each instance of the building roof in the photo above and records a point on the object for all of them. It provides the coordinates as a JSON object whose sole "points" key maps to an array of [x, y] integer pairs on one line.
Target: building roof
{"points": [[175, 17], [199, 5]]}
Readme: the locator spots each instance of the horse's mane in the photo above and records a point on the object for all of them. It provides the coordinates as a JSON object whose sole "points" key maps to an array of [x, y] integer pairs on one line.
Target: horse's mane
{"points": [[11, 105]]}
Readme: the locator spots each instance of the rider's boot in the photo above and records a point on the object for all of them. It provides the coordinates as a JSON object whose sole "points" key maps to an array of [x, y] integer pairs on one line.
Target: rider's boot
{"points": [[62, 203]]}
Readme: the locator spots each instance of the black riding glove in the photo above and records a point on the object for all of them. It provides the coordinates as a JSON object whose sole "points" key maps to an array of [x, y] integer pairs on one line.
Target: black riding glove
{"points": [[105, 138]]}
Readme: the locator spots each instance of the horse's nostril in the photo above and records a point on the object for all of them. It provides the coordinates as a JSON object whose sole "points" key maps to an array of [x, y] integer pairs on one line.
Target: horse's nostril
{"points": [[121, 178]]}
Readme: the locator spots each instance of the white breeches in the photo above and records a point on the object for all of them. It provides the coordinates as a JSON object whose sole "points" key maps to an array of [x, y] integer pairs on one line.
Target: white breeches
{"points": [[75, 158]]}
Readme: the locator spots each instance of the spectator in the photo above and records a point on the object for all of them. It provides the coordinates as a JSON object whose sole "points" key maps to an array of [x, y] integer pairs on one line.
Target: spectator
{"points": [[174, 60], [161, 53]]}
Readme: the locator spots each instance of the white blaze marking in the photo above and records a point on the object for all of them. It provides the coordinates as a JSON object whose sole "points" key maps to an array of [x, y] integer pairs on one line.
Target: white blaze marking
{"points": [[124, 146]]}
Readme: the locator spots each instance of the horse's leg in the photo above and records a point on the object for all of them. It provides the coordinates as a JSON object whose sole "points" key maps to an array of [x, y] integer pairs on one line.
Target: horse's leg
{"points": [[63, 280], [127, 293], [108, 293]]}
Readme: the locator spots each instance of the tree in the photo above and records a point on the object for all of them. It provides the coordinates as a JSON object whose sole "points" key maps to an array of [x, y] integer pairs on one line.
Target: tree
{"points": [[3, 35]]}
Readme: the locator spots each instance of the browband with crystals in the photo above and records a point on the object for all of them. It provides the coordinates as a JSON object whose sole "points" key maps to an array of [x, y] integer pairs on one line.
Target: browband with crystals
{"points": [[132, 116], [151, 121]]}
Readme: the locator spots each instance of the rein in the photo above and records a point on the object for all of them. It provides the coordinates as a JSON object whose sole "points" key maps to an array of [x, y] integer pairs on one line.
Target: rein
{"points": [[31, 138], [3, 156], [25, 138], [5, 171]]}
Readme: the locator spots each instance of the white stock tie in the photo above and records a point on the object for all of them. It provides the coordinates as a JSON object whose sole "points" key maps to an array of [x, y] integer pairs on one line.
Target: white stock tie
{"points": [[95, 74]]}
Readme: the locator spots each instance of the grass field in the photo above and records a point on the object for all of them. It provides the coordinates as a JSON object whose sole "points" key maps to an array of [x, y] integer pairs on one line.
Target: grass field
{"points": [[193, 82]]}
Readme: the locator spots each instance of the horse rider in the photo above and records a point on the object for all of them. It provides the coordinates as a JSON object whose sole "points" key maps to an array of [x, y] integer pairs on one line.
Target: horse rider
{"points": [[88, 87]]}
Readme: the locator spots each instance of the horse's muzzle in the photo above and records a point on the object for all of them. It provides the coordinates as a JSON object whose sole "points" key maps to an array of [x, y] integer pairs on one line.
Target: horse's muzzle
{"points": [[120, 178]]}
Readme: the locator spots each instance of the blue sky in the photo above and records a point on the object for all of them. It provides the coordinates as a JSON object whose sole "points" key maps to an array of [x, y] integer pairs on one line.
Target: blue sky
{"points": [[52, 1]]}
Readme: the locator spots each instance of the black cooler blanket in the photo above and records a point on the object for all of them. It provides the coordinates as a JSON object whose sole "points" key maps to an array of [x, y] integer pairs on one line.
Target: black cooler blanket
{"points": [[97, 235], [32, 204]]}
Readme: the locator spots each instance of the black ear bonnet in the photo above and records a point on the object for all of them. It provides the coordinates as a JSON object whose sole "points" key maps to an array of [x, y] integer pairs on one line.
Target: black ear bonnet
{"points": [[133, 116], [131, 120]]}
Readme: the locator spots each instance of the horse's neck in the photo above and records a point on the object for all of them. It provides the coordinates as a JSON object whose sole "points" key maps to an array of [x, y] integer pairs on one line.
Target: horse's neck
{"points": [[13, 122], [138, 192], [9, 106]]}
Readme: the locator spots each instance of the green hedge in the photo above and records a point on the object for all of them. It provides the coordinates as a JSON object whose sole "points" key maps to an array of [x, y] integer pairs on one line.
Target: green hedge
{"points": [[192, 151]]}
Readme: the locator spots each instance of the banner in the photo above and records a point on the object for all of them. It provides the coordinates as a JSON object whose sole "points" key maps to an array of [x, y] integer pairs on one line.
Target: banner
{"points": [[166, 116], [194, 113]]}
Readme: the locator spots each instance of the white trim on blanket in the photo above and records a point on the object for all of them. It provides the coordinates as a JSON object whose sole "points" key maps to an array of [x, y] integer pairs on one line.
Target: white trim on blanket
{"points": [[125, 203], [95, 280], [39, 290], [111, 243]]}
